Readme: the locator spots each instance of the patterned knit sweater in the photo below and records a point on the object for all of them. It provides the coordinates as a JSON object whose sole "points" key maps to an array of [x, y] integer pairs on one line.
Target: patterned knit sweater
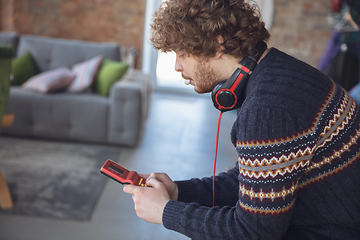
{"points": [[297, 137]]}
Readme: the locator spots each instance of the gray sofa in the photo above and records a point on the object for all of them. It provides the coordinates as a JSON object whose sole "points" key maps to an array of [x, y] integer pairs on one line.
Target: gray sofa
{"points": [[117, 119]]}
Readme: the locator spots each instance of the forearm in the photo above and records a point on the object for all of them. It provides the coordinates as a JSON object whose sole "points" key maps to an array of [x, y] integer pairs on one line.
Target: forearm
{"points": [[199, 222], [201, 190]]}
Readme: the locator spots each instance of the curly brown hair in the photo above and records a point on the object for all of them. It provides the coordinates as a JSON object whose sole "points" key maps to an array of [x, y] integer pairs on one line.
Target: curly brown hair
{"points": [[193, 26]]}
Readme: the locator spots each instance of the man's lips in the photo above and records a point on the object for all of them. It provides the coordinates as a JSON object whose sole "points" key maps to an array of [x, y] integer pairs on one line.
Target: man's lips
{"points": [[188, 80]]}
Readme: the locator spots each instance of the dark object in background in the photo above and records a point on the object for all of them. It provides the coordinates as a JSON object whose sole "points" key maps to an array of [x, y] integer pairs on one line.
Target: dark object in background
{"points": [[344, 69]]}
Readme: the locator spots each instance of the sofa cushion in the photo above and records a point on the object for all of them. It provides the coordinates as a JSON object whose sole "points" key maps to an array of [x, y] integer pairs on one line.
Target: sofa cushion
{"points": [[11, 38], [85, 74], [50, 81], [63, 116], [6, 51], [52, 53], [22, 68], [109, 72]]}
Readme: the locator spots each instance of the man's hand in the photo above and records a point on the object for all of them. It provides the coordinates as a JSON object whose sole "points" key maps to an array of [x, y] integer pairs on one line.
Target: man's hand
{"points": [[170, 186], [150, 201]]}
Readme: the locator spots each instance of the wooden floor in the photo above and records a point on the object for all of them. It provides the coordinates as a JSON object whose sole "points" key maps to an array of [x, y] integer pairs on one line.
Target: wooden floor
{"points": [[179, 139]]}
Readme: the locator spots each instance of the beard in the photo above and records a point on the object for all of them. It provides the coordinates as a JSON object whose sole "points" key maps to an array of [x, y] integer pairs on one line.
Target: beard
{"points": [[206, 78]]}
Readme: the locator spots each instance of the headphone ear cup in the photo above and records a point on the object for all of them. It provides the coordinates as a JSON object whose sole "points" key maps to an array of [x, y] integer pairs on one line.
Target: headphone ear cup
{"points": [[222, 97], [216, 89], [214, 94], [228, 95]]}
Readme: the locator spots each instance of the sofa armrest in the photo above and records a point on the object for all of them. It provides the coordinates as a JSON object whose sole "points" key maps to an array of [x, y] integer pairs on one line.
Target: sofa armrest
{"points": [[11, 38], [128, 55], [129, 107]]}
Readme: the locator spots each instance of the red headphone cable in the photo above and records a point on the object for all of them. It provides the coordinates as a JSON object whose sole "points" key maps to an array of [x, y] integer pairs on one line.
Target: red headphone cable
{"points": [[216, 149]]}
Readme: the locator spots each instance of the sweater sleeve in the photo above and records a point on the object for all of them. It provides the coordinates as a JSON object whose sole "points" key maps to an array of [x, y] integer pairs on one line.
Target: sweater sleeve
{"points": [[201, 190], [200, 222], [276, 135], [264, 198]]}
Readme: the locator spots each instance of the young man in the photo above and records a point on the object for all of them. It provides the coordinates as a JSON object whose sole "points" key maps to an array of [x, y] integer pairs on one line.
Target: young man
{"points": [[296, 135]]}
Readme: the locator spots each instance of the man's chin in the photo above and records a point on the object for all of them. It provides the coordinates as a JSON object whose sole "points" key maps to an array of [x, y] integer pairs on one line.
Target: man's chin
{"points": [[201, 90]]}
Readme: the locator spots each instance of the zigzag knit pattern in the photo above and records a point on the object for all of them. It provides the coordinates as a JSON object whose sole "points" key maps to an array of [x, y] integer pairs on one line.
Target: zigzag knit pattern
{"points": [[272, 171], [297, 138]]}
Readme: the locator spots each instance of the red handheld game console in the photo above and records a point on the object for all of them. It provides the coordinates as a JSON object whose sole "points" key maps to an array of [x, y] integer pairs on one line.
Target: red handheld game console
{"points": [[121, 174]]}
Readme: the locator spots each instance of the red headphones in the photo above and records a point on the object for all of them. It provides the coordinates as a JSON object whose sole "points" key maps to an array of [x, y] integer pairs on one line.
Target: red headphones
{"points": [[227, 95]]}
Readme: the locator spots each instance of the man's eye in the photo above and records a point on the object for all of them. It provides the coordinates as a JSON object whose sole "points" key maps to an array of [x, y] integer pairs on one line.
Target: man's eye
{"points": [[181, 55]]}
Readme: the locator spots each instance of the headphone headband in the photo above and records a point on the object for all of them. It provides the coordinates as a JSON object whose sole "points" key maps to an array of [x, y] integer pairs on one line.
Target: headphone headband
{"points": [[227, 95]]}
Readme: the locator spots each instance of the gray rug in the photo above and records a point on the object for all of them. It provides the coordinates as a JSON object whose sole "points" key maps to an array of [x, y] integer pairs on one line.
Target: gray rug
{"points": [[53, 179]]}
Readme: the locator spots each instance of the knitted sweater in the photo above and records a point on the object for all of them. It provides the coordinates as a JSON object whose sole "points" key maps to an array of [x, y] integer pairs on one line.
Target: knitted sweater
{"points": [[297, 136]]}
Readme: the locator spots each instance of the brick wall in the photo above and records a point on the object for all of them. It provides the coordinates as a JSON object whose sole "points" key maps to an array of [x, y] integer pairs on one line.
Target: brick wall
{"points": [[300, 27], [120, 21], [6, 15]]}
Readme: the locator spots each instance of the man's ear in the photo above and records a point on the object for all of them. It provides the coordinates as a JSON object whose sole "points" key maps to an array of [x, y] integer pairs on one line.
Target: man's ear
{"points": [[218, 55], [222, 48], [220, 39]]}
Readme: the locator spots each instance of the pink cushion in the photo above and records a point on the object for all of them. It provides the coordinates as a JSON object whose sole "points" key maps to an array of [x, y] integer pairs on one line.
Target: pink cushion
{"points": [[85, 74], [50, 81]]}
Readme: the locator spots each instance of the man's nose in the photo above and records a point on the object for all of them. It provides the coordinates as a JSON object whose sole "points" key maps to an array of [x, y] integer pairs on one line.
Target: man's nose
{"points": [[178, 66]]}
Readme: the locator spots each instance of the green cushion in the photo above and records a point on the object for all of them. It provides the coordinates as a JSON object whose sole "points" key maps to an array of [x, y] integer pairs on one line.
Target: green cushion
{"points": [[6, 51], [109, 72], [5, 68], [22, 68]]}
